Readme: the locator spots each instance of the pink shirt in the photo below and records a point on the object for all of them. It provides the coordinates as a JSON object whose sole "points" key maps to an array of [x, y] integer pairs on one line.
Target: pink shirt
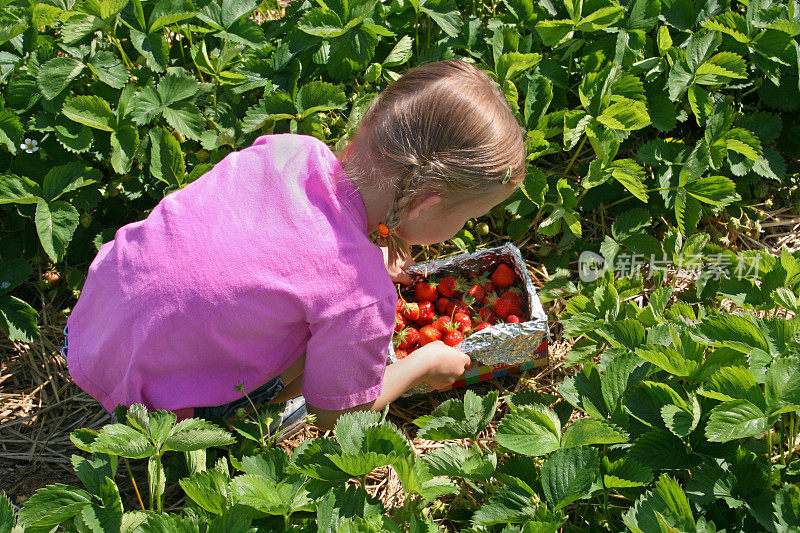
{"points": [[231, 279]]}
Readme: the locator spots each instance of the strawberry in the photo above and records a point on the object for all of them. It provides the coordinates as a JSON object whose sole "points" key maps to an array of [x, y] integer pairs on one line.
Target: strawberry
{"points": [[429, 334], [407, 338], [503, 276], [463, 322], [453, 337], [441, 305], [489, 288], [400, 305], [442, 324], [426, 313], [425, 291], [507, 306], [449, 287], [457, 306], [477, 292], [513, 319], [401, 354], [411, 311], [399, 322], [515, 294], [486, 313], [480, 326]]}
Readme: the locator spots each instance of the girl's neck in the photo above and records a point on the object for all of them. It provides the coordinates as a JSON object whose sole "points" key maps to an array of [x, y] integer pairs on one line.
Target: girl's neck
{"points": [[377, 203]]}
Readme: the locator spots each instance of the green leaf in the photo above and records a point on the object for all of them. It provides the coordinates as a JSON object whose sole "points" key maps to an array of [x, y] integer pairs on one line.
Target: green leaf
{"points": [[361, 464], [661, 450], [208, 489], [401, 52], [274, 106], [55, 75], [666, 503], [553, 32], [18, 320], [736, 420], [22, 93], [7, 515], [52, 505], [124, 143], [681, 421], [107, 517], [589, 431], [732, 331], [19, 190], [196, 434], [90, 111], [721, 68], [512, 64], [66, 178], [55, 224], [714, 190], [631, 176], [109, 69], [625, 115], [625, 473], [124, 441], [12, 274], [312, 458], [176, 85], [667, 358], [507, 505], [532, 430], [11, 130], [153, 47], [351, 428], [319, 96], [321, 22], [445, 14], [782, 384], [643, 15], [166, 157], [186, 118], [605, 16], [567, 475], [787, 507], [456, 419], [168, 12]]}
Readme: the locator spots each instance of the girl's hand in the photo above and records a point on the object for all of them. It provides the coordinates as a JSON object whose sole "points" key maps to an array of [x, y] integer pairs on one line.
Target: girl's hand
{"points": [[443, 364], [397, 271]]}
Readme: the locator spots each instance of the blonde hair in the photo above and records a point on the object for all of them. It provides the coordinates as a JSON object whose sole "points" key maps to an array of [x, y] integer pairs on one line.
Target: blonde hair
{"points": [[442, 128]]}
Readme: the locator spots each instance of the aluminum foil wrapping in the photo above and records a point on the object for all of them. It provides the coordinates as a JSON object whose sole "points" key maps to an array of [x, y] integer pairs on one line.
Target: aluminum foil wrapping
{"points": [[508, 344]]}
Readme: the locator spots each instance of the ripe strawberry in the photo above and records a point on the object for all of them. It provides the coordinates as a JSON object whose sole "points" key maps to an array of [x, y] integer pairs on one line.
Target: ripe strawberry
{"points": [[503, 276], [399, 322], [426, 313], [401, 354], [441, 305], [515, 294], [486, 313], [407, 338], [480, 326], [453, 337], [463, 322], [478, 293], [411, 311], [449, 287], [489, 288], [425, 291], [457, 306], [513, 319], [400, 305], [442, 324], [506, 306], [429, 334]]}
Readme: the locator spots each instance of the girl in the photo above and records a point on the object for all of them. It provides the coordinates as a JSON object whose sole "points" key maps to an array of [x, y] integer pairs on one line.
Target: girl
{"points": [[262, 270]]}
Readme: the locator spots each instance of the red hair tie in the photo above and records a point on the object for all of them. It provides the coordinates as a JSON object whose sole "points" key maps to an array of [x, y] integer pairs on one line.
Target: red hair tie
{"points": [[384, 231]]}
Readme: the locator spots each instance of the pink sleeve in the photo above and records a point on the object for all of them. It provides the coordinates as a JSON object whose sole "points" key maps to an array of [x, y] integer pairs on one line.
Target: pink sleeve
{"points": [[346, 356]]}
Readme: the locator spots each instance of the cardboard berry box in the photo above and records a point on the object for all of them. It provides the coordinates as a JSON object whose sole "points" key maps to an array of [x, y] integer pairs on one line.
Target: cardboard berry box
{"points": [[500, 349]]}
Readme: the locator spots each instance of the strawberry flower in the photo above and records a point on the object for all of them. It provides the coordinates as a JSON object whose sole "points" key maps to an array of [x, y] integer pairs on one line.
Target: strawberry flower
{"points": [[29, 145]]}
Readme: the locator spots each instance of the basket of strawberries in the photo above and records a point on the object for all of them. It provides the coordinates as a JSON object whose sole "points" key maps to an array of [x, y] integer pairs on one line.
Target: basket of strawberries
{"points": [[483, 304]]}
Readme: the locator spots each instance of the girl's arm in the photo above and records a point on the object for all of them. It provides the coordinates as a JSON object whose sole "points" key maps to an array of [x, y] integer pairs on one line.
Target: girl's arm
{"points": [[436, 364]]}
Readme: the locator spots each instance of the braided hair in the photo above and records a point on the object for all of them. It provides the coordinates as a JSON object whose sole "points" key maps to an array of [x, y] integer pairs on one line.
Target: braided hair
{"points": [[442, 128]]}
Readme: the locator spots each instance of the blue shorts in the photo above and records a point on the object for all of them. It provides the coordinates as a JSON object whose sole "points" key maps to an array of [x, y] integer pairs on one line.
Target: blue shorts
{"points": [[263, 394]]}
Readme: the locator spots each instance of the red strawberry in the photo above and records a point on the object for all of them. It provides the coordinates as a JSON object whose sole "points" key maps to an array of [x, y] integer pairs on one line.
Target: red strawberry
{"points": [[411, 311], [400, 305], [425, 291], [401, 354], [453, 337], [515, 294], [449, 287], [463, 321], [480, 326], [407, 338], [426, 313], [507, 306], [486, 313], [441, 305], [503, 276], [513, 319], [489, 288], [457, 306], [442, 324], [478, 293], [399, 322], [429, 334]]}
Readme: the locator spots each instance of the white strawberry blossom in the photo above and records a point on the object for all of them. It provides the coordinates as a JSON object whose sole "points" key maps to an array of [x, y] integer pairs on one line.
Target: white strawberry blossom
{"points": [[29, 146]]}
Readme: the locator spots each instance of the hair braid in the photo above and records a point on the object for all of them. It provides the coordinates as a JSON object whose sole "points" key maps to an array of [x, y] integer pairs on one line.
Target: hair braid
{"points": [[398, 248]]}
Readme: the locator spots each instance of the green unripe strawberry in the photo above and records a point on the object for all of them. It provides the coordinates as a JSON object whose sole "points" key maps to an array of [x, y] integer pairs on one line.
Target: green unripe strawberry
{"points": [[86, 220], [482, 228]]}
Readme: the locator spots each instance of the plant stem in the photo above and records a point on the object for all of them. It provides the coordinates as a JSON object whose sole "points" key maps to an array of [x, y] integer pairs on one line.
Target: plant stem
{"points": [[632, 196], [575, 156], [769, 452], [133, 480], [255, 413]]}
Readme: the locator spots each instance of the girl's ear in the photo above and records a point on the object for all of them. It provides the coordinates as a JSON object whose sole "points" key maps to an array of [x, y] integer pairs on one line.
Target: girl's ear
{"points": [[420, 204]]}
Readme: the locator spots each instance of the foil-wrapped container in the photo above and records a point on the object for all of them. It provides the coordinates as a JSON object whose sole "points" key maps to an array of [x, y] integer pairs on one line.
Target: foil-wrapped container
{"points": [[498, 349]]}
